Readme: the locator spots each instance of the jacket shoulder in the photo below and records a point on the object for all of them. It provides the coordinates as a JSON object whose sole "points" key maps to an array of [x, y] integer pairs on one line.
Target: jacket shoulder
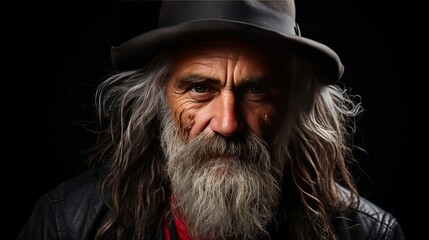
{"points": [[369, 221], [87, 183], [72, 210]]}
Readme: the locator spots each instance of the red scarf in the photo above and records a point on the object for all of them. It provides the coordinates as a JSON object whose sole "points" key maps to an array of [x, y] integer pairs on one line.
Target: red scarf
{"points": [[182, 231]]}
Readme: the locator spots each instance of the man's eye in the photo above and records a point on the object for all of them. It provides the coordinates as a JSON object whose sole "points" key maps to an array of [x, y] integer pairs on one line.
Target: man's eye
{"points": [[257, 89], [199, 89]]}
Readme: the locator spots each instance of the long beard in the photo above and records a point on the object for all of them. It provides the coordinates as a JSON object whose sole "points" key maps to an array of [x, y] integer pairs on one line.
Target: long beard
{"points": [[223, 188]]}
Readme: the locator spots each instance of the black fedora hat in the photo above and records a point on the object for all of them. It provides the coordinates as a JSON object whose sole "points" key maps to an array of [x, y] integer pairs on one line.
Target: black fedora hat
{"points": [[272, 22]]}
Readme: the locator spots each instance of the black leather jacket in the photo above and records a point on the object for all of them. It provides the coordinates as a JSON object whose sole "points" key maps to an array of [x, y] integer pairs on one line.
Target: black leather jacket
{"points": [[74, 210]]}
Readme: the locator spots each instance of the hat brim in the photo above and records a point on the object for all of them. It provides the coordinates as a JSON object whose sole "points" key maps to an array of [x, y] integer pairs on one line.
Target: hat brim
{"points": [[139, 50]]}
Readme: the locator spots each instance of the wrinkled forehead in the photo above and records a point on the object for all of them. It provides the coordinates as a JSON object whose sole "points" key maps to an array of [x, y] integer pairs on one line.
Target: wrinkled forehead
{"points": [[233, 48]]}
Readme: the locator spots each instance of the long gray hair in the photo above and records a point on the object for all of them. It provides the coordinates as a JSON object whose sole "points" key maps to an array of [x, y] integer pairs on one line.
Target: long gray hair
{"points": [[320, 124], [316, 140]]}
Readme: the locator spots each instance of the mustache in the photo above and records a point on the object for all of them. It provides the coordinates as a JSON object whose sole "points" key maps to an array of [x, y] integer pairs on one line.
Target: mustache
{"points": [[243, 147]]}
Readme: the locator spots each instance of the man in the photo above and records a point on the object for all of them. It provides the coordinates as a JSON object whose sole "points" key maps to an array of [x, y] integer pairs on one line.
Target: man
{"points": [[223, 123]]}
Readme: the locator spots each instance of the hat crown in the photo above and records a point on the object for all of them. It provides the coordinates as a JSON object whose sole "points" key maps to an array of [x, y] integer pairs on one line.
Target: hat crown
{"points": [[274, 15], [271, 22]]}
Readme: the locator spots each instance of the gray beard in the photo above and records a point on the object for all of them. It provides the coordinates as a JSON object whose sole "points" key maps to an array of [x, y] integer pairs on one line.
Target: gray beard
{"points": [[223, 188]]}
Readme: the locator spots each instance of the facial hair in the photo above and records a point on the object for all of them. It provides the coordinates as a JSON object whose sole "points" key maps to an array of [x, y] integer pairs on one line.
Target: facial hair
{"points": [[223, 188]]}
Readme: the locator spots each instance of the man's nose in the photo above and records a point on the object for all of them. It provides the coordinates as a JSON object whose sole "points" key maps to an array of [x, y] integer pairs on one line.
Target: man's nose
{"points": [[225, 116]]}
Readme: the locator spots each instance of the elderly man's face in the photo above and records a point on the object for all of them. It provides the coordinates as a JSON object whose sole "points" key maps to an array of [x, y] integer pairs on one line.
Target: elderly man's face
{"points": [[224, 87], [224, 97]]}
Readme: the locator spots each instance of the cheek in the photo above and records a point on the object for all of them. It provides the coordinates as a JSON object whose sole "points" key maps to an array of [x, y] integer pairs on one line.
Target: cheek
{"points": [[183, 111], [184, 116], [259, 121]]}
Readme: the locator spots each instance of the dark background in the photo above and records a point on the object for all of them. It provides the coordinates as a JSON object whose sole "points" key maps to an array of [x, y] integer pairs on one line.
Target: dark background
{"points": [[60, 52]]}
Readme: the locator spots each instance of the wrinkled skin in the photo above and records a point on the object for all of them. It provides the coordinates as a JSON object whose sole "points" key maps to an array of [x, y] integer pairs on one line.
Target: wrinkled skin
{"points": [[225, 87]]}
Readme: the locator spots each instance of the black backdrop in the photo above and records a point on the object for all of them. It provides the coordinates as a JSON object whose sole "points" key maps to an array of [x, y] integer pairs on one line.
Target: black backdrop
{"points": [[61, 52]]}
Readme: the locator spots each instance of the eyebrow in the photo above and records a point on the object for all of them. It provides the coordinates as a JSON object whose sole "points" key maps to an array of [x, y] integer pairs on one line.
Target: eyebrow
{"points": [[261, 81], [252, 80], [191, 79]]}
